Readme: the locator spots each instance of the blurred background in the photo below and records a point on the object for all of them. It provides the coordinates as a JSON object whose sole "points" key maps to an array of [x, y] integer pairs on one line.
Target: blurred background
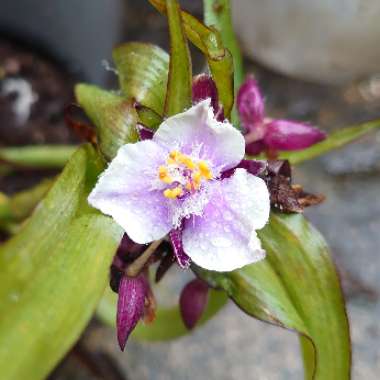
{"points": [[315, 61]]}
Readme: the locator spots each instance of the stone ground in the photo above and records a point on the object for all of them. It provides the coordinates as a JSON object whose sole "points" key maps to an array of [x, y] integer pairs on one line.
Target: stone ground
{"points": [[233, 346]]}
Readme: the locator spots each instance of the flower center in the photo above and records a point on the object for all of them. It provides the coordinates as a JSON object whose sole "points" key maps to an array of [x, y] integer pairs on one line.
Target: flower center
{"points": [[183, 174]]}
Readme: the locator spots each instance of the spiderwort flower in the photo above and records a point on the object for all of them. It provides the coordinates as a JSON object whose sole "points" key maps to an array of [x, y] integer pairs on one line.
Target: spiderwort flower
{"points": [[263, 133], [175, 182]]}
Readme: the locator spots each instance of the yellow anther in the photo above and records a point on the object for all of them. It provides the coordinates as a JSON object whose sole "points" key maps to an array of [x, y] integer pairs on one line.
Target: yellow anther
{"points": [[174, 154], [197, 177], [187, 161], [162, 171], [205, 170], [163, 174], [173, 193]]}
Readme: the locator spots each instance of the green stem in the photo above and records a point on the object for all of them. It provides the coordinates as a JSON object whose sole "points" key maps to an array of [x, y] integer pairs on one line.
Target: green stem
{"points": [[39, 156], [218, 14]]}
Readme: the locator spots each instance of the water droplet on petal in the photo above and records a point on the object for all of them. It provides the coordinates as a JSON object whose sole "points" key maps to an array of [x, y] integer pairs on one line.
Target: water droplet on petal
{"points": [[221, 242]]}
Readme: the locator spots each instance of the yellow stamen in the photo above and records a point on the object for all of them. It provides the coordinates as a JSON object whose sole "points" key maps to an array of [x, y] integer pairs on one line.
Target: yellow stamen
{"points": [[187, 161], [174, 154], [163, 174], [205, 170], [173, 193], [197, 178]]}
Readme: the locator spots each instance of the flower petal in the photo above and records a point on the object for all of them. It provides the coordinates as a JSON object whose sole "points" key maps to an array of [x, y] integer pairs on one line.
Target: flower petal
{"points": [[291, 135], [224, 238], [250, 104], [220, 143], [125, 192]]}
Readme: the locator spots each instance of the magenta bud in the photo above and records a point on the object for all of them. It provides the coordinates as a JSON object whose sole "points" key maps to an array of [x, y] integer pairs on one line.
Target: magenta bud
{"points": [[203, 88], [130, 306], [193, 301], [291, 135], [250, 104], [255, 148], [176, 240], [144, 132]]}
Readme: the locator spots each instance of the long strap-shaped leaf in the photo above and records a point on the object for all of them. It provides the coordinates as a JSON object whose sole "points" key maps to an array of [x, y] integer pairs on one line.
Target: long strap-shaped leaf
{"points": [[178, 95], [53, 272], [219, 59], [296, 287], [334, 141]]}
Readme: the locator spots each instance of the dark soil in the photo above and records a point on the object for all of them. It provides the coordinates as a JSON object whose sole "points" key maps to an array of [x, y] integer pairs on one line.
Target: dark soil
{"points": [[33, 94]]}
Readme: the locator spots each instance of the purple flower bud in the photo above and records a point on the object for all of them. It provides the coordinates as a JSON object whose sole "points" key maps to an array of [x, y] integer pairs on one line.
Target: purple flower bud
{"points": [[144, 132], [255, 148], [193, 301], [203, 88], [291, 135], [250, 105], [130, 306], [176, 239]]}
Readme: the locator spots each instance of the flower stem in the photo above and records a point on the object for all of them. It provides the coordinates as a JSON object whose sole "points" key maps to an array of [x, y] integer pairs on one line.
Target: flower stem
{"points": [[218, 14], [135, 268]]}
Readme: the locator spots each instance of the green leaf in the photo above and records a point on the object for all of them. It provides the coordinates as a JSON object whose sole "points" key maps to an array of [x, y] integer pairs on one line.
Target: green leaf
{"points": [[168, 323], [143, 73], [148, 117], [53, 273], [178, 96], [38, 156], [219, 59], [334, 141], [114, 117], [18, 206], [296, 287]]}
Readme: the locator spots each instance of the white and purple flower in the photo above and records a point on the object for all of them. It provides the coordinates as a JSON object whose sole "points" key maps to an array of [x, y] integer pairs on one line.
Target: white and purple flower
{"points": [[185, 183]]}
